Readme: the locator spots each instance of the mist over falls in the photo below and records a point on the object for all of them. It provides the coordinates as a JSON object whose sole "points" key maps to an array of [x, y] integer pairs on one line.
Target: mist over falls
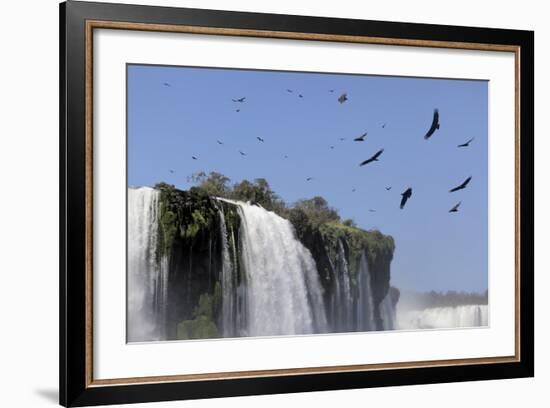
{"points": [[205, 267]]}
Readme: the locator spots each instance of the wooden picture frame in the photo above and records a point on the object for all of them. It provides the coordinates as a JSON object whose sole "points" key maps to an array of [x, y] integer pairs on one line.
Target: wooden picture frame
{"points": [[78, 20]]}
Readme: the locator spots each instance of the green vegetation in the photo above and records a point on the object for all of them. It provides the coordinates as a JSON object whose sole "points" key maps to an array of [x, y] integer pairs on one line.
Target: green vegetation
{"points": [[374, 242], [307, 215], [202, 325], [183, 215], [257, 192]]}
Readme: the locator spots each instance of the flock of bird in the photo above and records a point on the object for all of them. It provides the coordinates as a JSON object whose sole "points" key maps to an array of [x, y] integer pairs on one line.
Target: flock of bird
{"points": [[407, 194]]}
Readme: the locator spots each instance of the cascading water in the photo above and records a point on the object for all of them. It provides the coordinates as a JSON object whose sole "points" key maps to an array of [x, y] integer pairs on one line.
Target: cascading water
{"points": [[365, 318], [387, 313], [258, 278], [344, 298], [148, 280], [283, 291], [443, 317]]}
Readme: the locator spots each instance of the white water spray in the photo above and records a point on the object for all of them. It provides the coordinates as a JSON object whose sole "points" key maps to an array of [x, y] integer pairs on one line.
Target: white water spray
{"points": [[148, 279], [443, 317]]}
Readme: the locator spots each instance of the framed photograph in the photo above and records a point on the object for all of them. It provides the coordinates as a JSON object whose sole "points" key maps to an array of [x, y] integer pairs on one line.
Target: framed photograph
{"points": [[256, 203]]}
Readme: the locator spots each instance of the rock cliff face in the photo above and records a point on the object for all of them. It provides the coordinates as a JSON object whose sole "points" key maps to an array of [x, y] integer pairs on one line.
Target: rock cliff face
{"points": [[206, 245]]}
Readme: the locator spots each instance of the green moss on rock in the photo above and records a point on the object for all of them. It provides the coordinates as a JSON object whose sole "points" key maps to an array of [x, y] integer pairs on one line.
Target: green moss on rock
{"points": [[202, 326]]}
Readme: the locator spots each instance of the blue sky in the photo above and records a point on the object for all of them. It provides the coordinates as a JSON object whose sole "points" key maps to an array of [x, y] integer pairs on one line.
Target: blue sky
{"points": [[434, 249]]}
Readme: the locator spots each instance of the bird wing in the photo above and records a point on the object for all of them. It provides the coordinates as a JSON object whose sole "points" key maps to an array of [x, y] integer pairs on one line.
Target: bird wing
{"points": [[466, 144], [366, 161], [378, 153], [455, 208], [404, 199], [460, 187], [435, 124]]}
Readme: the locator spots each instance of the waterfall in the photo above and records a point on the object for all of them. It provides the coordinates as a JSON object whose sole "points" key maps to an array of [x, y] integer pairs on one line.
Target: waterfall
{"points": [[251, 270], [443, 317], [233, 313], [387, 312], [147, 278], [283, 292], [365, 309], [342, 301]]}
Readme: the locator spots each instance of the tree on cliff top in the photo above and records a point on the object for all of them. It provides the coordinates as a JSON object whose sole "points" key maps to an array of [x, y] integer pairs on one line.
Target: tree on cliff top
{"points": [[314, 211], [258, 192], [213, 184], [317, 210]]}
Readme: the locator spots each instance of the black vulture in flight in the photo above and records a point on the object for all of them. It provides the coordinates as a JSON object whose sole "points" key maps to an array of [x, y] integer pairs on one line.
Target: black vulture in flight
{"points": [[289, 90], [286, 157], [194, 158], [171, 171], [219, 142], [331, 90], [455, 208], [260, 139], [240, 100], [342, 139], [466, 144], [460, 187], [343, 98], [166, 84], [360, 138], [237, 110], [383, 126], [309, 179], [372, 158], [242, 153], [353, 190], [434, 126], [371, 210], [388, 188], [300, 96], [405, 196]]}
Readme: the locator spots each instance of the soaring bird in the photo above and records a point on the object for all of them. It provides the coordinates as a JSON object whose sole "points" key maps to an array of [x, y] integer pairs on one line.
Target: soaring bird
{"points": [[342, 139], [171, 171], [289, 90], [466, 144], [219, 142], [383, 126], [242, 153], [373, 158], [388, 188], [309, 179], [405, 196], [286, 157], [460, 187], [343, 98], [371, 210], [260, 139], [353, 190], [360, 138], [434, 126], [331, 147], [455, 208], [166, 84], [240, 100], [194, 158], [237, 110], [331, 90], [300, 96]]}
